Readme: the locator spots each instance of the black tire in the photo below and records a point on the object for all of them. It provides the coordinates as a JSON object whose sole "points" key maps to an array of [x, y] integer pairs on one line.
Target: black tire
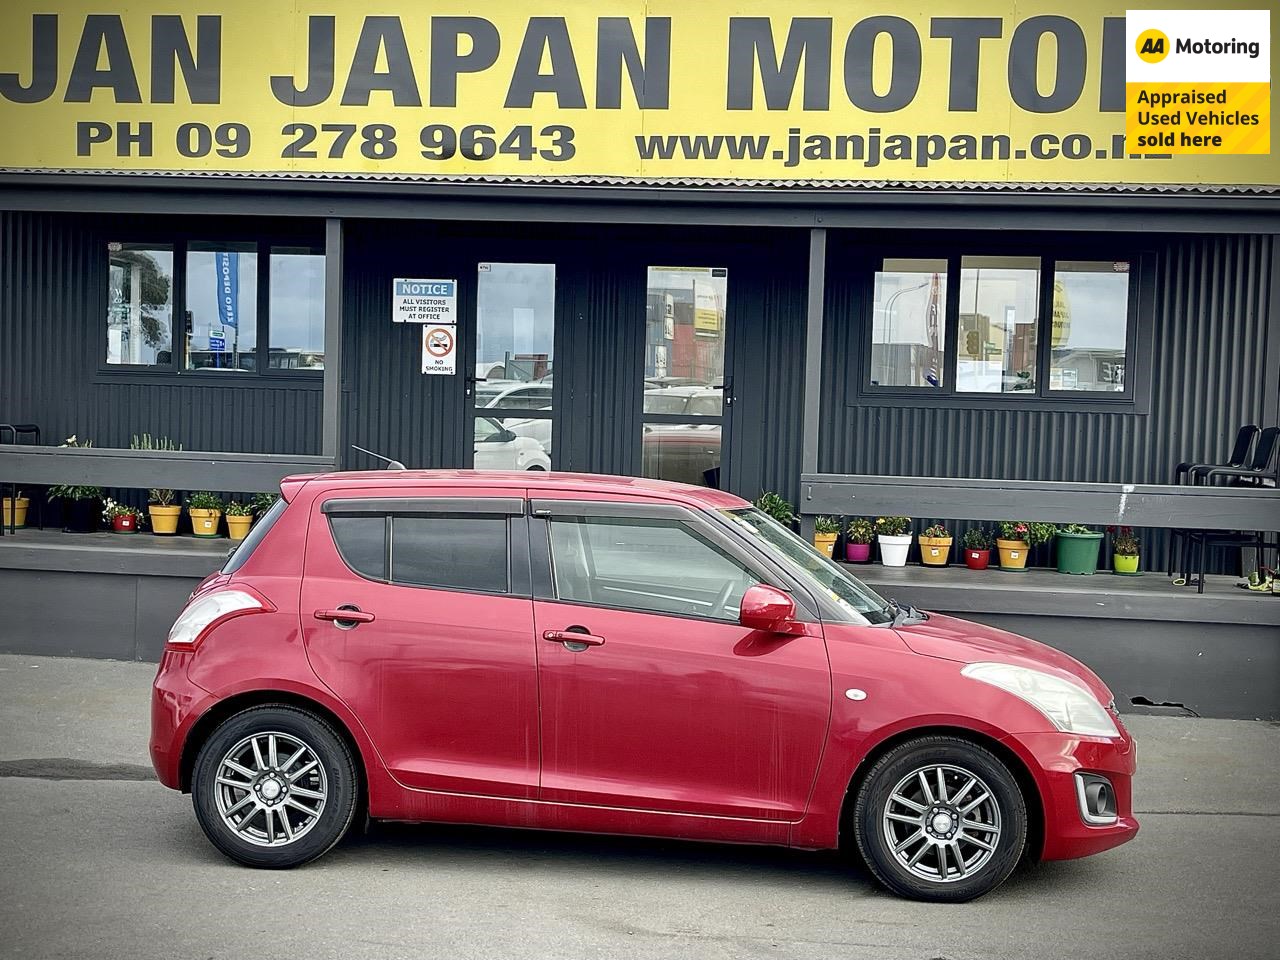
{"points": [[958, 761], [340, 781]]}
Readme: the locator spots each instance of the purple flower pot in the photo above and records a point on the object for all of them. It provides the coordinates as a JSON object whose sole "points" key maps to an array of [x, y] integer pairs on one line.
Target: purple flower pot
{"points": [[857, 552]]}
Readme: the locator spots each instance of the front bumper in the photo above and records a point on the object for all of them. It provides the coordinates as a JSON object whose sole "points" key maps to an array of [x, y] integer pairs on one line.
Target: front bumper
{"points": [[1054, 759]]}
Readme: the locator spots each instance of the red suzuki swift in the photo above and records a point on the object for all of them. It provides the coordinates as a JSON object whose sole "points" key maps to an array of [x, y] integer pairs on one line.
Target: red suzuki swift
{"points": [[620, 656]]}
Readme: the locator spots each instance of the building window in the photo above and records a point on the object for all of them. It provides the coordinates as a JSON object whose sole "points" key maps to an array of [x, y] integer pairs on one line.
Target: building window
{"points": [[1001, 327], [1090, 330], [140, 304], [295, 309], [222, 306], [999, 317], [686, 324], [242, 308], [910, 304]]}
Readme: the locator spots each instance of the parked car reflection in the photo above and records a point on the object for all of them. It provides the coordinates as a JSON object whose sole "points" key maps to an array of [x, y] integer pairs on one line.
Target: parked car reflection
{"points": [[497, 447]]}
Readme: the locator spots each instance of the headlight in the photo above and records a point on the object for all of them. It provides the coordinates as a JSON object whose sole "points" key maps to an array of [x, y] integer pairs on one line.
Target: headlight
{"points": [[203, 613], [1070, 707]]}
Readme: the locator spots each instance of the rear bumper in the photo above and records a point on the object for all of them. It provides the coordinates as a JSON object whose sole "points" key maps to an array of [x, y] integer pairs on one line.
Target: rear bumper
{"points": [[1055, 759], [175, 704]]}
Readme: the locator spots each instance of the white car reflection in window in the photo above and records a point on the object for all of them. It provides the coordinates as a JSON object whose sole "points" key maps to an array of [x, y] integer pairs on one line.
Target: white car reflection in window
{"points": [[497, 448]]}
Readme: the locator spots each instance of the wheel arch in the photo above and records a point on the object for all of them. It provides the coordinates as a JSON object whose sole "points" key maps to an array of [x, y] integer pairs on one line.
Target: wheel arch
{"points": [[224, 709], [1017, 766]]}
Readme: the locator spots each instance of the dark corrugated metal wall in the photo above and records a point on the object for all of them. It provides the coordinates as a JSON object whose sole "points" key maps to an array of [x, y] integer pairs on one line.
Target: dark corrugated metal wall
{"points": [[1208, 377], [1208, 370], [53, 305], [600, 328]]}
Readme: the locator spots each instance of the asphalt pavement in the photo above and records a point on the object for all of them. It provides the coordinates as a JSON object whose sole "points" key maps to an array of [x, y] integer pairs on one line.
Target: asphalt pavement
{"points": [[99, 861]]}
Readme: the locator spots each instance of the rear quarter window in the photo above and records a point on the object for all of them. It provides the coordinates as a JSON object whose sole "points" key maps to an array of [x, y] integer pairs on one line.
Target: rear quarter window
{"points": [[256, 535]]}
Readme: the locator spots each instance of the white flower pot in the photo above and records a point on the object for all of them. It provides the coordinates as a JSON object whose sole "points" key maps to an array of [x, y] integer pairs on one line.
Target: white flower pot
{"points": [[893, 550]]}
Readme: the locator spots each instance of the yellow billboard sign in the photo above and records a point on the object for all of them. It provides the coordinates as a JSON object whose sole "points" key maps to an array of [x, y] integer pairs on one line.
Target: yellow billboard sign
{"points": [[806, 90]]}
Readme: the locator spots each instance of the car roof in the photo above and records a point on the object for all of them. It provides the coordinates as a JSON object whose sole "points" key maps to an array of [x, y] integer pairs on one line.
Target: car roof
{"points": [[531, 480]]}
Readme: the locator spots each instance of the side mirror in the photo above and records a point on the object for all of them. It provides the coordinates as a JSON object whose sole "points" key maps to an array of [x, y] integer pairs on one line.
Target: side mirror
{"points": [[767, 608]]}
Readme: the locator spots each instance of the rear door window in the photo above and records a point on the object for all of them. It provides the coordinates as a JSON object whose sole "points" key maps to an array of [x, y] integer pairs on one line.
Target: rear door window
{"points": [[362, 543], [452, 552]]}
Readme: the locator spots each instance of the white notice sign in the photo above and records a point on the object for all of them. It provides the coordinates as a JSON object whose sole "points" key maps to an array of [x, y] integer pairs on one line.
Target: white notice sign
{"points": [[424, 301], [440, 348]]}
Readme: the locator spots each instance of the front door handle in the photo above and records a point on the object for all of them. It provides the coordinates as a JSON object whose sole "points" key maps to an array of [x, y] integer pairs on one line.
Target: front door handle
{"points": [[579, 636], [346, 616]]}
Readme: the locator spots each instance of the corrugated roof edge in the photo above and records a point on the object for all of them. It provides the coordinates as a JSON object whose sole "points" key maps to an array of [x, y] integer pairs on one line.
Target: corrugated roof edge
{"points": [[913, 186]]}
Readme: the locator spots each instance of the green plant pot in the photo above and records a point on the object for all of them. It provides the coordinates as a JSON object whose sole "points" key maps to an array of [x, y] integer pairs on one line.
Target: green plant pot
{"points": [[1078, 552]]}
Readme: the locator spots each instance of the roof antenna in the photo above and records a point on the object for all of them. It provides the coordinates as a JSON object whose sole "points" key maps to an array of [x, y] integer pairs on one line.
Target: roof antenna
{"points": [[391, 464]]}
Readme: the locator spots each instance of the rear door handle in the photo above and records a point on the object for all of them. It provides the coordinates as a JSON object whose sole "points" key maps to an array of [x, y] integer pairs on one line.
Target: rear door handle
{"points": [[345, 616], [573, 636]]}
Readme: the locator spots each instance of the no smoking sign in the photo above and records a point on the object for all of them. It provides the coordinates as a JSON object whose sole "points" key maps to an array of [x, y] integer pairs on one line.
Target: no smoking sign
{"points": [[440, 349]]}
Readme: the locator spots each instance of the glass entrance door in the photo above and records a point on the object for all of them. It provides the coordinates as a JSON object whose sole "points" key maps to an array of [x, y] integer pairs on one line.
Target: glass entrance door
{"points": [[512, 402], [686, 395]]}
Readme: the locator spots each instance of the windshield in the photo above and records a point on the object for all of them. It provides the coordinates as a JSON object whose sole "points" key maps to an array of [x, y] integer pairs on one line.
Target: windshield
{"points": [[821, 572]]}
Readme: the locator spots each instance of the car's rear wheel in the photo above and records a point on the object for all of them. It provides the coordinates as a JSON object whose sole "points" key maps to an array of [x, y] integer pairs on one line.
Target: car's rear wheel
{"points": [[274, 787], [940, 818]]}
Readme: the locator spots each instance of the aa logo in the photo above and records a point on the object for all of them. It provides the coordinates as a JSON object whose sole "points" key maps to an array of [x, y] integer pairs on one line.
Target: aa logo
{"points": [[1152, 46]]}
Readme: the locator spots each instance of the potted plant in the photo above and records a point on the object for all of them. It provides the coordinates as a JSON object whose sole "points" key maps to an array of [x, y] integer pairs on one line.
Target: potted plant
{"points": [[1016, 539], [15, 510], [894, 535], [825, 531], [935, 545], [977, 548], [81, 506], [776, 506], [205, 509], [857, 540], [1125, 547], [160, 502], [262, 502], [164, 512], [1078, 548], [122, 517], [239, 519]]}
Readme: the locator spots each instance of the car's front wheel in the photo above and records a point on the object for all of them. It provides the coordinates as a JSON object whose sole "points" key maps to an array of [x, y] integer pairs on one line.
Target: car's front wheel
{"points": [[940, 818], [275, 787]]}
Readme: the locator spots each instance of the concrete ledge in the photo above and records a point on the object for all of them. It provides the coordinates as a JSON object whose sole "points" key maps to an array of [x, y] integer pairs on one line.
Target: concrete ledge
{"points": [[141, 554], [1047, 593], [179, 469]]}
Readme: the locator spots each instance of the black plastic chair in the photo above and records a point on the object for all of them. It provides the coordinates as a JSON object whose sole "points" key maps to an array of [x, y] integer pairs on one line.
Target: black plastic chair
{"points": [[1262, 471], [1238, 458], [13, 433], [1191, 472]]}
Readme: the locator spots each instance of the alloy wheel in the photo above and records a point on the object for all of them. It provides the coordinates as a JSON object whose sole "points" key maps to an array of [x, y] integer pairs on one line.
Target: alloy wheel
{"points": [[270, 789], [942, 823]]}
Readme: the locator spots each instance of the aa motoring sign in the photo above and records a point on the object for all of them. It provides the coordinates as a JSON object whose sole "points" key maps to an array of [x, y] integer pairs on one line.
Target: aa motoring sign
{"points": [[786, 89]]}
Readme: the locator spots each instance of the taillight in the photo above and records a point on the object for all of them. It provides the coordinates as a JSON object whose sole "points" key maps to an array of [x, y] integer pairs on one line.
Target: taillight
{"points": [[212, 608]]}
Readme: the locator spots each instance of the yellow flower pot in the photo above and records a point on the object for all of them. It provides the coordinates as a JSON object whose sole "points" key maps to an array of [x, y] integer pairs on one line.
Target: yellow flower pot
{"points": [[16, 516], [934, 550], [1123, 564], [238, 526], [1013, 554], [164, 519], [204, 523], [826, 542]]}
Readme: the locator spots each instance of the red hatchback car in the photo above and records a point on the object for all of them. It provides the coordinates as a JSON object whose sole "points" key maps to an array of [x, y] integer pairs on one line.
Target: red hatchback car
{"points": [[621, 656]]}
